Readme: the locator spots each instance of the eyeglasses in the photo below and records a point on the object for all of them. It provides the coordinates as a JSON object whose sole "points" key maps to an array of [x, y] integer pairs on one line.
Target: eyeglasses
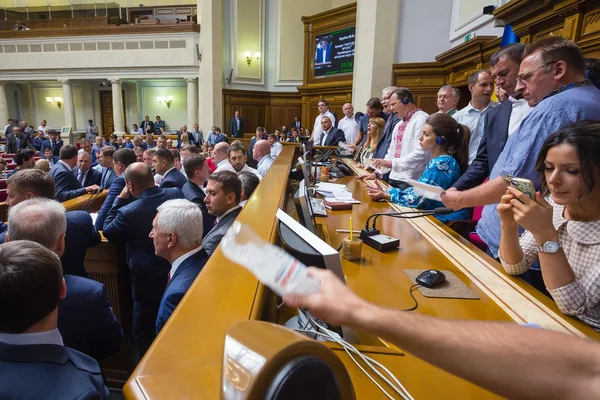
{"points": [[526, 76]]}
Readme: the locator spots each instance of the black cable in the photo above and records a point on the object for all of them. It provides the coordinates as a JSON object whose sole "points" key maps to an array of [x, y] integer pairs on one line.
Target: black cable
{"points": [[410, 291]]}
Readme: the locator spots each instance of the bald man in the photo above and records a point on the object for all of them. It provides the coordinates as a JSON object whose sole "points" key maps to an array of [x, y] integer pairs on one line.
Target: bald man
{"points": [[220, 156], [262, 154], [84, 172], [348, 124]]}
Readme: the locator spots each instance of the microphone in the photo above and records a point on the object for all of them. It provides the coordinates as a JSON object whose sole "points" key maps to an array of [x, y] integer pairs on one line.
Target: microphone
{"points": [[373, 237]]}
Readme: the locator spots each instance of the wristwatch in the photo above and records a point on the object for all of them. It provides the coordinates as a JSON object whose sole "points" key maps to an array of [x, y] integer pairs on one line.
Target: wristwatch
{"points": [[549, 247]]}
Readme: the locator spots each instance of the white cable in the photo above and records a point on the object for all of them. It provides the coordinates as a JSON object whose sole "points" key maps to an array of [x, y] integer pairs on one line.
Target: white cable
{"points": [[400, 389]]}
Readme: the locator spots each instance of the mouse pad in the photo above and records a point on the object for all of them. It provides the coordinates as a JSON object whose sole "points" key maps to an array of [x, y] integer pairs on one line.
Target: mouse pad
{"points": [[453, 288]]}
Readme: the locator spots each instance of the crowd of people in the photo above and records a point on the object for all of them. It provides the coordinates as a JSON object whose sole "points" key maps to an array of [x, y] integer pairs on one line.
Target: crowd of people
{"points": [[171, 202]]}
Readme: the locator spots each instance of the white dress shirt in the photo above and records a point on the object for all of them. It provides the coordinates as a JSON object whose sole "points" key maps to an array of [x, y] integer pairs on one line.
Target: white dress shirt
{"points": [[276, 148], [264, 164], [224, 165], [68, 166], [520, 109], [20, 339], [227, 212], [181, 259], [474, 119], [229, 167], [350, 128], [317, 130], [413, 159]]}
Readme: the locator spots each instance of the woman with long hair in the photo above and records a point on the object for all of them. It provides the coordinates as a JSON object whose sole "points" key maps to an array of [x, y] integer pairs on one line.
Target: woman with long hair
{"points": [[374, 131], [562, 223], [448, 143]]}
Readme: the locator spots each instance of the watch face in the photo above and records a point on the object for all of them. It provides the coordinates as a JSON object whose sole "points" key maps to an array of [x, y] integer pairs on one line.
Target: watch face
{"points": [[551, 247]]}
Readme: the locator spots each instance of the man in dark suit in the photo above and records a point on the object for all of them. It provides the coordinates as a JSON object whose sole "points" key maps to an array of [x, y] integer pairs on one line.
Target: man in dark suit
{"points": [[85, 318], [131, 222], [52, 159], [108, 165], [55, 143], [223, 194], [32, 283], [122, 159], [158, 124], [296, 123], [17, 140], [85, 174], [500, 122], [177, 237], [147, 126], [236, 125], [331, 136], [67, 186], [197, 172], [39, 140], [81, 233], [24, 160], [164, 166]]}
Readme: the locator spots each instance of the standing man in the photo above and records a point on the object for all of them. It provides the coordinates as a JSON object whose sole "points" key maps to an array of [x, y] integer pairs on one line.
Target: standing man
{"points": [[481, 86], [130, 221], [262, 154], [17, 140], [296, 123], [147, 126], [390, 123], [55, 143], [223, 194], [85, 174], [158, 125], [177, 237], [447, 99], [331, 136], [91, 131], [237, 161], [43, 126], [28, 130], [236, 126], [67, 186], [374, 109], [107, 162], [197, 137], [323, 106], [197, 172], [39, 140], [348, 124]]}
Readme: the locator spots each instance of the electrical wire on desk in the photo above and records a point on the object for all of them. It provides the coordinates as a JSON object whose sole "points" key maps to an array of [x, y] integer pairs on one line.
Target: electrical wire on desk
{"points": [[410, 291]]}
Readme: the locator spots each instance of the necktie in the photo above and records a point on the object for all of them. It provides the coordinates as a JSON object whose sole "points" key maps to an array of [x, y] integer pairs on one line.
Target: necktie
{"points": [[81, 177], [18, 142]]}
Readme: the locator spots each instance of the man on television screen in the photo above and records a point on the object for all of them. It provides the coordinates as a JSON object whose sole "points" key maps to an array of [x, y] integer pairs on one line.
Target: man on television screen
{"points": [[323, 52]]}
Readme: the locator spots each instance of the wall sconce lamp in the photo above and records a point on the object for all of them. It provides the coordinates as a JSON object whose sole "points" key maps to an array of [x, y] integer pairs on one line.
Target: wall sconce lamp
{"points": [[248, 55], [167, 100], [57, 100]]}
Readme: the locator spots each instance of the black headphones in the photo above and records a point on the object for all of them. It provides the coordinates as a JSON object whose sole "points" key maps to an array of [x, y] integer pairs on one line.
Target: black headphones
{"points": [[405, 101], [440, 140]]}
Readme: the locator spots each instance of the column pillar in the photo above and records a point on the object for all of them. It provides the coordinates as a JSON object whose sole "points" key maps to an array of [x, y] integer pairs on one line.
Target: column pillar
{"points": [[376, 22], [192, 102], [210, 79], [3, 106], [69, 110], [117, 105]]}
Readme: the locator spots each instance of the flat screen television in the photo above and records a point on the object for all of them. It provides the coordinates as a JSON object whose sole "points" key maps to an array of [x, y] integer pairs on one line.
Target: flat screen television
{"points": [[334, 53]]}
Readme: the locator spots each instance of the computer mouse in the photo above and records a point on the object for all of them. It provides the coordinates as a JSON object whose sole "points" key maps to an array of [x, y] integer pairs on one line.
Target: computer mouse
{"points": [[431, 278]]}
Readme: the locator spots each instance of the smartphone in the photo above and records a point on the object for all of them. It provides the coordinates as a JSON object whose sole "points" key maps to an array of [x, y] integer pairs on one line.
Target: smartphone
{"points": [[523, 185]]}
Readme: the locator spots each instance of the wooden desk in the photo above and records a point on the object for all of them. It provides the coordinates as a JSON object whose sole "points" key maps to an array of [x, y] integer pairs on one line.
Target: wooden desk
{"points": [[185, 360]]}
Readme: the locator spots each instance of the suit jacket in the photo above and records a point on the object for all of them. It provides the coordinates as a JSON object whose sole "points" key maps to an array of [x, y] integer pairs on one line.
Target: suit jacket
{"points": [[86, 320], [81, 234], [233, 128], [107, 177], [335, 136], [213, 238], [173, 178], [49, 371], [296, 124], [131, 223], [47, 144], [116, 187], [386, 137], [11, 143], [178, 285], [67, 186], [195, 194], [157, 125], [92, 177], [495, 135], [143, 126], [37, 144]]}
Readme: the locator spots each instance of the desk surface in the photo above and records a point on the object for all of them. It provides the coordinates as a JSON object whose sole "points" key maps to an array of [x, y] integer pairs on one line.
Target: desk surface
{"points": [[186, 359]]}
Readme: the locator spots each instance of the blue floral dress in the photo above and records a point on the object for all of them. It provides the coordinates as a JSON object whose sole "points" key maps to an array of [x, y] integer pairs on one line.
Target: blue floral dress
{"points": [[441, 171]]}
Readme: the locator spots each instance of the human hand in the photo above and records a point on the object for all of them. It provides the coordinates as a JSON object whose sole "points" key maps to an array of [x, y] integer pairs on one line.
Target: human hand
{"points": [[124, 193], [93, 189], [377, 163], [451, 199], [366, 176], [533, 215], [334, 303], [505, 210], [378, 194]]}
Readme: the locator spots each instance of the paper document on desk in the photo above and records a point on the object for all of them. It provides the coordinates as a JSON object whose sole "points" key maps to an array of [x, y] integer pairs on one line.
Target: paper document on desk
{"points": [[424, 190], [333, 190]]}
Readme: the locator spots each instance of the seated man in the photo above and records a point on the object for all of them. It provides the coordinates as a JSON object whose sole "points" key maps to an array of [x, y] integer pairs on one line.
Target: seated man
{"points": [[176, 159], [331, 135], [129, 221], [86, 145], [84, 172], [276, 147], [122, 159], [262, 154], [48, 156], [139, 154], [34, 363], [24, 160], [188, 149], [81, 233], [237, 161], [197, 171], [223, 194], [249, 184], [39, 140], [67, 186], [55, 143], [177, 236], [85, 318], [164, 165]]}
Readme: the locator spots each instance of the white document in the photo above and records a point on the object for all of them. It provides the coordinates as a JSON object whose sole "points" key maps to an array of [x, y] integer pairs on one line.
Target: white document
{"points": [[424, 190]]}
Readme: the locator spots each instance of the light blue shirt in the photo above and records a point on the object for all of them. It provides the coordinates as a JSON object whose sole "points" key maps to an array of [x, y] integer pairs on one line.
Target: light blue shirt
{"points": [[264, 164], [474, 119], [522, 148], [21, 339]]}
